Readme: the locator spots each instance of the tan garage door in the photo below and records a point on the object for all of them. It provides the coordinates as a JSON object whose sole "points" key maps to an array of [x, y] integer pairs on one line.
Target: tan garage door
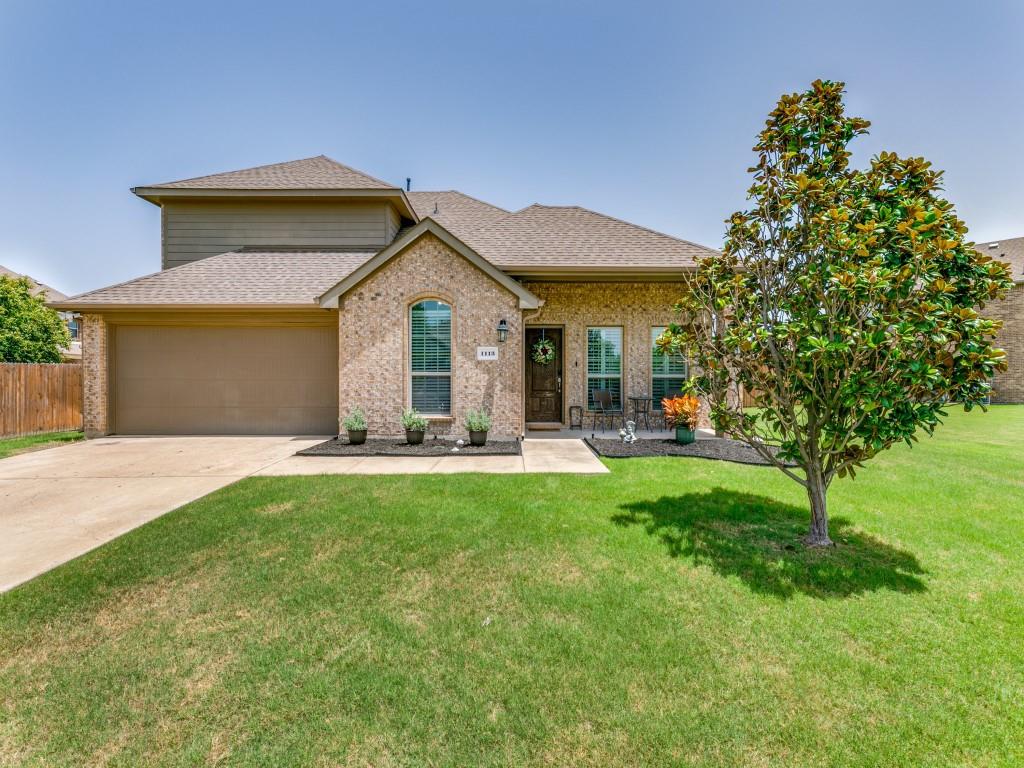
{"points": [[225, 380]]}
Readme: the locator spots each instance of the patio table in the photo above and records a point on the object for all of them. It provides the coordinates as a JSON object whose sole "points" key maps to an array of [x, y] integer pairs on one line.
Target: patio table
{"points": [[641, 407]]}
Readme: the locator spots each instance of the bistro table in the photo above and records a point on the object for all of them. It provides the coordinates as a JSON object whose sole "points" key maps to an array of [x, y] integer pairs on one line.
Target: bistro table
{"points": [[641, 407]]}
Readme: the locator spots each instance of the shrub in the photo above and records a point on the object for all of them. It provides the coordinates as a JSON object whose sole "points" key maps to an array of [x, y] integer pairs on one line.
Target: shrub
{"points": [[355, 421], [478, 420], [413, 421], [682, 411]]}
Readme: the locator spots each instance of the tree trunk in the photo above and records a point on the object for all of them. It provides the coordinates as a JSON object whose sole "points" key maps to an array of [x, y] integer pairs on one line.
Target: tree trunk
{"points": [[817, 494]]}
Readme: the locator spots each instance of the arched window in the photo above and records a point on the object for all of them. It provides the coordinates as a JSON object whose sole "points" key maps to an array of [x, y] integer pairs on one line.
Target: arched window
{"points": [[430, 356]]}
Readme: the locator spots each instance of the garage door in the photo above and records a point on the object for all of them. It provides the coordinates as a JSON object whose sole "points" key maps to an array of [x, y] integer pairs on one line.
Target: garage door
{"points": [[209, 380]]}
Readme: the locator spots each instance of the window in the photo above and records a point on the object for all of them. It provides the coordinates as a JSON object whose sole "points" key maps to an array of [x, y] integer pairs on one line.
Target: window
{"points": [[667, 372], [430, 357], [604, 363], [73, 328]]}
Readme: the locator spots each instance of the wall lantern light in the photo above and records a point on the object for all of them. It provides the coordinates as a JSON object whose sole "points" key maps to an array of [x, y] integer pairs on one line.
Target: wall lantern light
{"points": [[502, 331]]}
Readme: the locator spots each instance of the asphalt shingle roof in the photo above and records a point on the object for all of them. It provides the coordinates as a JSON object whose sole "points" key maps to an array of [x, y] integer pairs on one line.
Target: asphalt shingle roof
{"points": [[569, 236], [320, 172], [51, 294], [1011, 250], [455, 211], [239, 277]]}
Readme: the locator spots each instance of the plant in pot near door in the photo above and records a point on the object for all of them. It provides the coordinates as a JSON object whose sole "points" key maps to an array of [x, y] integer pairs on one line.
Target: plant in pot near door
{"points": [[355, 425], [682, 412], [478, 423], [415, 426]]}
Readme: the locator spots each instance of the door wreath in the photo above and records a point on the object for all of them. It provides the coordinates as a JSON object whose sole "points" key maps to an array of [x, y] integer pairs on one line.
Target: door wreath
{"points": [[543, 352]]}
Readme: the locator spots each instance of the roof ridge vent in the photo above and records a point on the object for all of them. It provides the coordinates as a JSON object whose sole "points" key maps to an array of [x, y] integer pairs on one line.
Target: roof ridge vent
{"points": [[993, 245]]}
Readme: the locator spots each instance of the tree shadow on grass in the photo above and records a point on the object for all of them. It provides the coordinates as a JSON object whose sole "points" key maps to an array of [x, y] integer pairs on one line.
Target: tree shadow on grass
{"points": [[759, 540]]}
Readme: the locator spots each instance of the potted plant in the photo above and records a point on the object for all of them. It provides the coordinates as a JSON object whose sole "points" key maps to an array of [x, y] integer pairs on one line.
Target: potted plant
{"points": [[478, 422], [415, 426], [355, 425], [683, 412]]}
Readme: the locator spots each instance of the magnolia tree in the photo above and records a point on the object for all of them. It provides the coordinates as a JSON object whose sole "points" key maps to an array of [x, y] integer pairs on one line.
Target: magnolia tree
{"points": [[845, 302]]}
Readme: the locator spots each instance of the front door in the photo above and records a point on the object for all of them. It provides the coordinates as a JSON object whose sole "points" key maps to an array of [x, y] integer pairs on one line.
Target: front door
{"points": [[544, 379]]}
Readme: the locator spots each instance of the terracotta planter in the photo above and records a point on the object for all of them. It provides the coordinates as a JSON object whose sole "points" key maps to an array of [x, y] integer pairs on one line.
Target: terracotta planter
{"points": [[356, 436], [685, 436], [478, 438], [414, 437]]}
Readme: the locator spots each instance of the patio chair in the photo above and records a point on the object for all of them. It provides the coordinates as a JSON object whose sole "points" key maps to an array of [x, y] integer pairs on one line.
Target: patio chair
{"points": [[603, 407]]}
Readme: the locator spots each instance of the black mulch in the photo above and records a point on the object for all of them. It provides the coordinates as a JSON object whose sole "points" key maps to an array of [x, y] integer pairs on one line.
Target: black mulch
{"points": [[721, 449], [396, 446]]}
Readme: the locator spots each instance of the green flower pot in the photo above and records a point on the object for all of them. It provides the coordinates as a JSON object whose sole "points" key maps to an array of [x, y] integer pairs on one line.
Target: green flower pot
{"points": [[685, 436]]}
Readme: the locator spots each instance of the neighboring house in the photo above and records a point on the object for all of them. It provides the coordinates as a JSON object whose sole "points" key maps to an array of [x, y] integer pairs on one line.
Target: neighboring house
{"points": [[292, 293], [1009, 387], [73, 353]]}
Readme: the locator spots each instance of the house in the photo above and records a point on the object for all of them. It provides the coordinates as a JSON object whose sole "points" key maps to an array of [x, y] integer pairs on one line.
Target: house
{"points": [[291, 293], [1008, 387], [73, 353]]}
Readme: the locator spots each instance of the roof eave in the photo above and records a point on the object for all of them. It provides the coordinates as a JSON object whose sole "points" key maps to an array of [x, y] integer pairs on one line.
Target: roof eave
{"points": [[598, 272], [74, 306], [157, 195]]}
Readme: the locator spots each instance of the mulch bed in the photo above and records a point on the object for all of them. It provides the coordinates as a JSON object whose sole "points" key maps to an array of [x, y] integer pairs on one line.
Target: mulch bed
{"points": [[721, 449], [396, 446]]}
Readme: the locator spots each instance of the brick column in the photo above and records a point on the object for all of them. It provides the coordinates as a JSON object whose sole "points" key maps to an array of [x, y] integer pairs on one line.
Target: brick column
{"points": [[95, 370]]}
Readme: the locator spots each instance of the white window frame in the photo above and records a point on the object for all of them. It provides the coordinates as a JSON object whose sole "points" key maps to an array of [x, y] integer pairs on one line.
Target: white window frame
{"points": [[657, 330], [622, 359], [434, 374]]}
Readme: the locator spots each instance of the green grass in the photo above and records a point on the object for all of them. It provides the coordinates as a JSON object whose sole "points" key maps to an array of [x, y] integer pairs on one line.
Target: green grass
{"points": [[662, 615], [9, 446]]}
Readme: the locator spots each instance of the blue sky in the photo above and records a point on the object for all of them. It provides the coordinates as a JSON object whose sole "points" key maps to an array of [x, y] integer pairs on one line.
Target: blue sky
{"points": [[646, 111]]}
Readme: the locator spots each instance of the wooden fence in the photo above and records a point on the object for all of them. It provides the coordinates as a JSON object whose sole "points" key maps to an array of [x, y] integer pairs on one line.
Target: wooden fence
{"points": [[40, 398]]}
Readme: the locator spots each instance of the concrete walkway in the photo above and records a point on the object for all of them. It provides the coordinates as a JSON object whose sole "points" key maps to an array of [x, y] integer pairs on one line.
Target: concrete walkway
{"points": [[59, 503], [561, 456]]}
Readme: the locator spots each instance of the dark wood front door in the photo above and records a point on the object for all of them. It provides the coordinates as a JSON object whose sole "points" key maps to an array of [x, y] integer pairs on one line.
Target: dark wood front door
{"points": [[544, 381]]}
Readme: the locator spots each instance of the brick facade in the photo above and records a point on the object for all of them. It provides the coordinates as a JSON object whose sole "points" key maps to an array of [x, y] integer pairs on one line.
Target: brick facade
{"points": [[1008, 387], [635, 307], [373, 336], [373, 341], [95, 372]]}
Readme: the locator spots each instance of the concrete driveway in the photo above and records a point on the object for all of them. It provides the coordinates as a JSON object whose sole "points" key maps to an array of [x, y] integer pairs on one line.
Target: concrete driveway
{"points": [[59, 503]]}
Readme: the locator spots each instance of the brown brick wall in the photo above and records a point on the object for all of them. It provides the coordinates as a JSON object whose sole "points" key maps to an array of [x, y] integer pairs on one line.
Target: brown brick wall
{"points": [[373, 342], [1009, 387], [95, 372], [636, 307]]}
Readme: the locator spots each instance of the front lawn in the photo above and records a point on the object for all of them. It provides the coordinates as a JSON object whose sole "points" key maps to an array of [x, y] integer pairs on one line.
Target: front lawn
{"points": [[658, 615], [9, 446]]}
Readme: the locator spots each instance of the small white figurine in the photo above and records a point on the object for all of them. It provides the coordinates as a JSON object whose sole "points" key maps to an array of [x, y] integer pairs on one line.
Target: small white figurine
{"points": [[628, 434]]}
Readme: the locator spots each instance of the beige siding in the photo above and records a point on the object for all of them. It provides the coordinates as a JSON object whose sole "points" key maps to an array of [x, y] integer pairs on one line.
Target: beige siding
{"points": [[394, 222], [194, 230]]}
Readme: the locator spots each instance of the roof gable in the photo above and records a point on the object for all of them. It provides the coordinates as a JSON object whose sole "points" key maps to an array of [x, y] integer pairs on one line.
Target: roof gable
{"points": [[332, 298], [320, 172]]}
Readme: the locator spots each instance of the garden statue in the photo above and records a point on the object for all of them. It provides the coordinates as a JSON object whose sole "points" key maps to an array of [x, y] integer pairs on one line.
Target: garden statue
{"points": [[628, 434]]}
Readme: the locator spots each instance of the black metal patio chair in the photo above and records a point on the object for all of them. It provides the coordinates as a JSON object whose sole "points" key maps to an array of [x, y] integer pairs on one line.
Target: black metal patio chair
{"points": [[604, 407]]}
